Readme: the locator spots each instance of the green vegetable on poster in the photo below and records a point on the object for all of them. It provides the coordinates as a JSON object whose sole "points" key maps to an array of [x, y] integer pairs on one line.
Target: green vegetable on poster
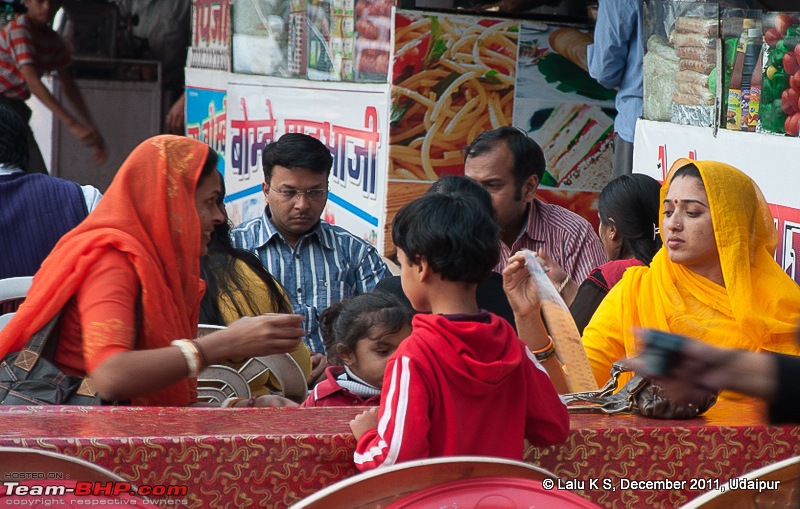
{"points": [[571, 78]]}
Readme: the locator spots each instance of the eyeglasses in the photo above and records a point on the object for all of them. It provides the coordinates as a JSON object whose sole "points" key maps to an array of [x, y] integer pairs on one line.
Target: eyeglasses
{"points": [[291, 194]]}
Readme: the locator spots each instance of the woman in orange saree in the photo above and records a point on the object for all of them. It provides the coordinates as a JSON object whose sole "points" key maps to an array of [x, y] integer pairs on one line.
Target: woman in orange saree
{"points": [[127, 284]]}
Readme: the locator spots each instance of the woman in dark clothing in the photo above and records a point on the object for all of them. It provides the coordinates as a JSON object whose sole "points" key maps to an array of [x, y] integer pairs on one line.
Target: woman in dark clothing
{"points": [[628, 210]]}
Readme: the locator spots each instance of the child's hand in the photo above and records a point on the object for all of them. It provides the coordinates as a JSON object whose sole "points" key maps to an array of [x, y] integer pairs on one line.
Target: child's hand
{"points": [[365, 421], [523, 296]]}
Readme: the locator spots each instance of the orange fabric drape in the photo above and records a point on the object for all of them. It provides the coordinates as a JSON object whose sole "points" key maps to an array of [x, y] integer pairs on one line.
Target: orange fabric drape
{"points": [[149, 214], [757, 309]]}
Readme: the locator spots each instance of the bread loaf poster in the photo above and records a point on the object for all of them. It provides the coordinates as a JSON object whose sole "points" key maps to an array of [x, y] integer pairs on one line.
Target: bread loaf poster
{"points": [[564, 109]]}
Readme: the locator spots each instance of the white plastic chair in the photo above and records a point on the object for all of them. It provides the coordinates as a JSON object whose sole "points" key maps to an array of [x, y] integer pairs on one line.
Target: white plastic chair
{"points": [[22, 459], [779, 485], [390, 486], [13, 288]]}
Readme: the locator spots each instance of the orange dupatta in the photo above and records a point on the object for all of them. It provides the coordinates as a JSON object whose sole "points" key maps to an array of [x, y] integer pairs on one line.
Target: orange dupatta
{"points": [[149, 214], [758, 309]]}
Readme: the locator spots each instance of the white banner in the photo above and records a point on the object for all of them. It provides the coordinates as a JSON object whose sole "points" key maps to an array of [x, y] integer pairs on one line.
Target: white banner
{"points": [[772, 161], [352, 124], [769, 160]]}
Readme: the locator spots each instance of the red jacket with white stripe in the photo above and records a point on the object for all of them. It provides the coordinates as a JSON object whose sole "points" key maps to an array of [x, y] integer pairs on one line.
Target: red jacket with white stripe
{"points": [[462, 388]]}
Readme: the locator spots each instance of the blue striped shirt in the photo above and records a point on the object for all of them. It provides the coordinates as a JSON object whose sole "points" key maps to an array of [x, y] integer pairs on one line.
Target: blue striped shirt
{"points": [[326, 265]]}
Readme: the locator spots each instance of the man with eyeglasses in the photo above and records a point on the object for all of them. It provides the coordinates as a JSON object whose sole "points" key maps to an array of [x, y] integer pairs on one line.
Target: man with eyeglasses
{"points": [[317, 263]]}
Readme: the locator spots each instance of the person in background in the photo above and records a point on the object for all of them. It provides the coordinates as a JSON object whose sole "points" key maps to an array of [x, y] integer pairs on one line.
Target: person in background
{"points": [[360, 333], [126, 283], [615, 61], [462, 383], [628, 207], [715, 278], [36, 210], [768, 376], [510, 165], [317, 263], [28, 49], [166, 27], [238, 285], [490, 294]]}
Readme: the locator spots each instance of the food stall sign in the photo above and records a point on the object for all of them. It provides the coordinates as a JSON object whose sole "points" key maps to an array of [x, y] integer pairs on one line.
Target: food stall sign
{"points": [[352, 126], [211, 35]]}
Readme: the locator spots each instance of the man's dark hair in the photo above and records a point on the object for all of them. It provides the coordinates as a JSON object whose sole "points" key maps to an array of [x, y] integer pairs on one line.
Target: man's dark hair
{"points": [[294, 151], [528, 155], [13, 140], [455, 233]]}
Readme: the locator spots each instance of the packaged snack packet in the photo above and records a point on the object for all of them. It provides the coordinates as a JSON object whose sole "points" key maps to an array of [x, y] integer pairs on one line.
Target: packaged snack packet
{"points": [[562, 328]]}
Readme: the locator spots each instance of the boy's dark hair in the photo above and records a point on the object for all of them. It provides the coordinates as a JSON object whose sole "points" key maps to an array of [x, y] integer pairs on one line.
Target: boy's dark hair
{"points": [[528, 155], [13, 141], [455, 233], [347, 322], [456, 185], [296, 150]]}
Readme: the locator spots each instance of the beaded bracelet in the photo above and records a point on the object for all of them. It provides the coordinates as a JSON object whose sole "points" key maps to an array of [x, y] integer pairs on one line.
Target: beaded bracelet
{"points": [[564, 283]]}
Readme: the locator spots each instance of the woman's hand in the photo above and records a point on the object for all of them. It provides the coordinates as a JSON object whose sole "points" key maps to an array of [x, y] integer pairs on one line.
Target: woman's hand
{"points": [[268, 401], [523, 296], [254, 336], [553, 270], [319, 362], [364, 422]]}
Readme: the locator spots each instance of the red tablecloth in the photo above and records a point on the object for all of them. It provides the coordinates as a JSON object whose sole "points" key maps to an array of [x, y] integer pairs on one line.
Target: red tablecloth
{"points": [[274, 457]]}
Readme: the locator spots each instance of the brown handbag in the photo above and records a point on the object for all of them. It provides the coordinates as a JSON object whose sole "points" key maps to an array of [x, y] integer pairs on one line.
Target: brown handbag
{"points": [[640, 396]]}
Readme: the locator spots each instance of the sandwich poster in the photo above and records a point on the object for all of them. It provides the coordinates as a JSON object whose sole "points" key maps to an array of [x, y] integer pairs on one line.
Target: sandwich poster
{"points": [[559, 105]]}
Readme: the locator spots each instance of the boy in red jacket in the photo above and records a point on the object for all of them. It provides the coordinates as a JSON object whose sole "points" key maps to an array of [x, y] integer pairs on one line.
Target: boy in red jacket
{"points": [[462, 383]]}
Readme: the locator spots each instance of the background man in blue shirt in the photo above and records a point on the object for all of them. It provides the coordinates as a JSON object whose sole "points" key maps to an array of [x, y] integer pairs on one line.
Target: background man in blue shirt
{"points": [[615, 61]]}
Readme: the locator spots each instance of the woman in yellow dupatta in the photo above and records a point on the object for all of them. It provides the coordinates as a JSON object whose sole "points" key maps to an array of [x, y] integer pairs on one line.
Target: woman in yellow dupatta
{"points": [[715, 278], [127, 282]]}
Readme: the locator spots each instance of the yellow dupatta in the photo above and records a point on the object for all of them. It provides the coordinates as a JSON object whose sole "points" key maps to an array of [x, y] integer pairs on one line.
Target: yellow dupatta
{"points": [[758, 309]]}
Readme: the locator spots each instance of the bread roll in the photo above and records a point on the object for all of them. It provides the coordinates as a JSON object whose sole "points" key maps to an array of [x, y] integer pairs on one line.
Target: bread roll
{"points": [[703, 26], [697, 66], [680, 39], [571, 43], [705, 55], [695, 77]]}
